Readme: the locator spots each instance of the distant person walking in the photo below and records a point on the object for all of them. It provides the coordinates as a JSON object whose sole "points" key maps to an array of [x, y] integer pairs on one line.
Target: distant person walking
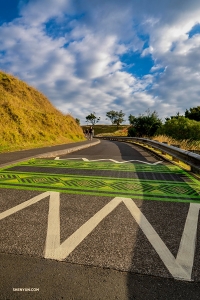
{"points": [[86, 133], [90, 133]]}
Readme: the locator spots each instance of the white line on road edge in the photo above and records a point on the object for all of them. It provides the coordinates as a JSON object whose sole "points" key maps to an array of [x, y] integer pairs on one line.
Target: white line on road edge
{"points": [[180, 268], [115, 161]]}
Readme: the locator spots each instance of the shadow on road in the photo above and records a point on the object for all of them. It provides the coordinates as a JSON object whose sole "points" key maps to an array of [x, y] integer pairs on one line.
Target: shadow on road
{"points": [[148, 277]]}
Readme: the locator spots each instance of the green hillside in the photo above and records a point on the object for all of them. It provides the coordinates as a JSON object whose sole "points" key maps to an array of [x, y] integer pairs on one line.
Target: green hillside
{"points": [[29, 120]]}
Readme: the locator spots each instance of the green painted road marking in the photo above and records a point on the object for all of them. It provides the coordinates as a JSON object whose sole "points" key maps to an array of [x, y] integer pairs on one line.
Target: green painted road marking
{"points": [[101, 185], [104, 186], [70, 164]]}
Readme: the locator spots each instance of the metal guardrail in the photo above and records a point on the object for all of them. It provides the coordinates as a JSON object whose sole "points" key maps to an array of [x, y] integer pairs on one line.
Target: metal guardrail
{"points": [[190, 158]]}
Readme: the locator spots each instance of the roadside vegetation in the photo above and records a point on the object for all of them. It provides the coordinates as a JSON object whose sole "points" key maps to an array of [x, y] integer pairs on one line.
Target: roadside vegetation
{"points": [[183, 144], [29, 120], [182, 131]]}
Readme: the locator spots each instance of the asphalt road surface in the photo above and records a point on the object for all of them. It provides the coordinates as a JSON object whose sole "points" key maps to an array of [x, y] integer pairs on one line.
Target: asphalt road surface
{"points": [[112, 221]]}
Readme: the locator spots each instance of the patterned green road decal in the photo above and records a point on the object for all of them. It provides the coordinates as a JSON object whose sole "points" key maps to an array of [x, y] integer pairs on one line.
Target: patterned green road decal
{"points": [[136, 167], [100, 185], [161, 190]]}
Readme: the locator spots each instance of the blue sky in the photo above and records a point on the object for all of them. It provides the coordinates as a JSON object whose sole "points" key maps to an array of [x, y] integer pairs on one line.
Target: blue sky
{"points": [[101, 55]]}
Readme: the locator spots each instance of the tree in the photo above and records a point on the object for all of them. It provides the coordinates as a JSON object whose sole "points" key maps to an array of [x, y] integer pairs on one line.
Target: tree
{"points": [[116, 117], [193, 113], [144, 125], [77, 121], [131, 119], [92, 119], [111, 115], [173, 117]]}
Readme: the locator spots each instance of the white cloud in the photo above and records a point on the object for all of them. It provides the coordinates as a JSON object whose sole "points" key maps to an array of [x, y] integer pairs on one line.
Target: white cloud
{"points": [[37, 12], [95, 56], [81, 70]]}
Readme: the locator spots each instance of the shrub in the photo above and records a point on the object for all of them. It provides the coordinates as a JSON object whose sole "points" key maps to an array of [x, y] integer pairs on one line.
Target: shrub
{"points": [[181, 128], [144, 125]]}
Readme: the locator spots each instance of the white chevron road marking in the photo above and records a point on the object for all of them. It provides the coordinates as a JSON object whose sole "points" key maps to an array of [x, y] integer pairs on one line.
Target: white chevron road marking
{"points": [[179, 267]]}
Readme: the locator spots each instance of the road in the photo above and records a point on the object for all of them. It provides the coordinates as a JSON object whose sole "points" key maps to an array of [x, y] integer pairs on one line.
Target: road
{"points": [[112, 221]]}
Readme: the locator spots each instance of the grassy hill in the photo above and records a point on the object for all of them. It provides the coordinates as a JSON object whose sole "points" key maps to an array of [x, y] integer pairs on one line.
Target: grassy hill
{"points": [[29, 120]]}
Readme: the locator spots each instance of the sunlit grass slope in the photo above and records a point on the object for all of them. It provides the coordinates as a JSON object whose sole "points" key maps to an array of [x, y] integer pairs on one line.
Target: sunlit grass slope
{"points": [[29, 120]]}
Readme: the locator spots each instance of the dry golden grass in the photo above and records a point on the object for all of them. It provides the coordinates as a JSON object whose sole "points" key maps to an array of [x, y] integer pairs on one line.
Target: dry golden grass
{"points": [[29, 120], [184, 144], [110, 130]]}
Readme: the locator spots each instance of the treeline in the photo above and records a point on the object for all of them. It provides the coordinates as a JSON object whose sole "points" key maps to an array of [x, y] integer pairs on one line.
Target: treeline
{"points": [[178, 127], [150, 124], [116, 118]]}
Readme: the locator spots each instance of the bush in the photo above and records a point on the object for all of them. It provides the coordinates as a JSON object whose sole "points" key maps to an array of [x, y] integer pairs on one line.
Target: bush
{"points": [[144, 125], [181, 128]]}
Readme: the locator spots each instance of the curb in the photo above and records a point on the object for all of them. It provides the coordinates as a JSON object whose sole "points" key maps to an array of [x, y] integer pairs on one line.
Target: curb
{"points": [[53, 153], [62, 152]]}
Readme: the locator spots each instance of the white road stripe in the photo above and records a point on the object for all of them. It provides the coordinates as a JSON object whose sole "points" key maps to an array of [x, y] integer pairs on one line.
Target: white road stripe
{"points": [[23, 205], [186, 251], [174, 267], [61, 252], [116, 161], [53, 229]]}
